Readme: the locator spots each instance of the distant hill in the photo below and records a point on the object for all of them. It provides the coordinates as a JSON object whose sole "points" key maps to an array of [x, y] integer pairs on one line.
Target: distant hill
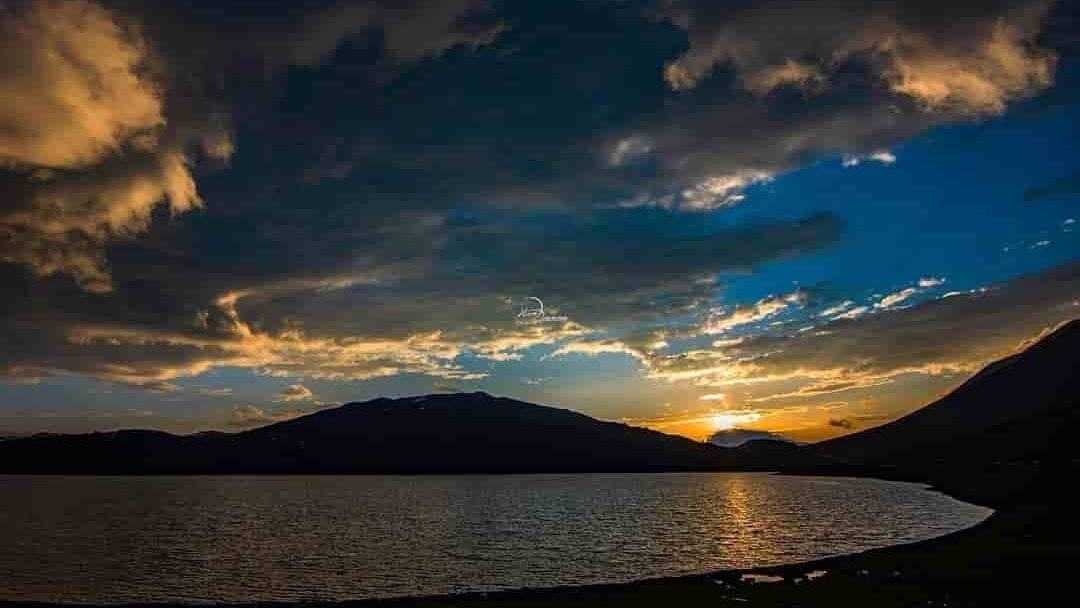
{"points": [[444, 433], [733, 438]]}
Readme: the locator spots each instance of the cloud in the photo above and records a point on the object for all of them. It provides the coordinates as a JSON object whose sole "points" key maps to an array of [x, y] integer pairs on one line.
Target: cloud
{"points": [[247, 416], [443, 387], [295, 392], [898, 297], [958, 60], [790, 73], [147, 355], [883, 157], [858, 421], [853, 313], [74, 87], [86, 145], [717, 192], [411, 30], [823, 387], [956, 334], [594, 348], [398, 254], [628, 150], [698, 151], [759, 311], [931, 282], [105, 113], [903, 295], [837, 309]]}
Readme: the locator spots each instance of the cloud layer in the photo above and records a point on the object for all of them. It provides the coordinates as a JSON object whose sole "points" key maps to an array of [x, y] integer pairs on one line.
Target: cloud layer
{"points": [[959, 58], [957, 333], [325, 190], [87, 139]]}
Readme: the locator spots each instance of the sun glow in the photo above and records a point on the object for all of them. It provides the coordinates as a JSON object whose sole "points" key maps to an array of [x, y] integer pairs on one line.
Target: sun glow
{"points": [[729, 420]]}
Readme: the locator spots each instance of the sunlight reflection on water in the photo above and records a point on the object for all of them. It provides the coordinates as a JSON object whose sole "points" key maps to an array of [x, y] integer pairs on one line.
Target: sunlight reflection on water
{"points": [[232, 538]]}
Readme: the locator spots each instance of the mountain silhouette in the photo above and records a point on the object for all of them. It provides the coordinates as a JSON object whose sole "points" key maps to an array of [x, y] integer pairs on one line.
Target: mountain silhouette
{"points": [[441, 433], [1006, 436], [1015, 407]]}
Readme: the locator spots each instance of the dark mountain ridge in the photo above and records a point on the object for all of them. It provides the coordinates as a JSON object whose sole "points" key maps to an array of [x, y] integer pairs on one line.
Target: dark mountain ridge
{"points": [[1006, 437], [1013, 406], [441, 433]]}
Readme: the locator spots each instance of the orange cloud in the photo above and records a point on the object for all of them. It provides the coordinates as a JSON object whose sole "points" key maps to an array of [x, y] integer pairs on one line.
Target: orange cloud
{"points": [[74, 86]]}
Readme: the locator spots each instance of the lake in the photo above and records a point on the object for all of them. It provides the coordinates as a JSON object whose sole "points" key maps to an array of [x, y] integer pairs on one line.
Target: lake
{"points": [[250, 538]]}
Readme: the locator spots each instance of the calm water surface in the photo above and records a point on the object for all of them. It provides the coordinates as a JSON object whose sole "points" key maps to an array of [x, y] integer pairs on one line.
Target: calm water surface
{"points": [[215, 539]]}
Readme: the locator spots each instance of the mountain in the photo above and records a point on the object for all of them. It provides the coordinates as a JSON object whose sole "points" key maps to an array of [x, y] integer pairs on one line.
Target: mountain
{"points": [[733, 438], [1007, 436], [442, 433], [1013, 408]]}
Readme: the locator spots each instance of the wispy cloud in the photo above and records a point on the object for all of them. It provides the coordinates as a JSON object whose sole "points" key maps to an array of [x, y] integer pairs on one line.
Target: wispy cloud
{"points": [[247, 416], [295, 392], [761, 310], [884, 157], [955, 334]]}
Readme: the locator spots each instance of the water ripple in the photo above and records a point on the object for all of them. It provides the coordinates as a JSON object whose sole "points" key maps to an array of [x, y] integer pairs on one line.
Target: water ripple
{"points": [[232, 538]]}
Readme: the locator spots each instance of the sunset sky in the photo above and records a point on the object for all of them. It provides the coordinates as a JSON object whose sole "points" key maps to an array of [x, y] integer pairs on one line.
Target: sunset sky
{"points": [[807, 218]]}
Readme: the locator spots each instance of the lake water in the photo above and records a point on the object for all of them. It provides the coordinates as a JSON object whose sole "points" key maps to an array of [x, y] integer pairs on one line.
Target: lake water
{"points": [[217, 539]]}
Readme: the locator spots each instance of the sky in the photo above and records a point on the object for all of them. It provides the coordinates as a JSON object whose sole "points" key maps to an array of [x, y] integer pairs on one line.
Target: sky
{"points": [[806, 218]]}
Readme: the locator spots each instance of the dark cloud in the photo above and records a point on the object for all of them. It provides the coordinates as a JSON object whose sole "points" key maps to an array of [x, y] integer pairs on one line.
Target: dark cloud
{"points": [[958, 58], [109, 106], [93, 137], [857, 421], [455, 299], [357, 189]]}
